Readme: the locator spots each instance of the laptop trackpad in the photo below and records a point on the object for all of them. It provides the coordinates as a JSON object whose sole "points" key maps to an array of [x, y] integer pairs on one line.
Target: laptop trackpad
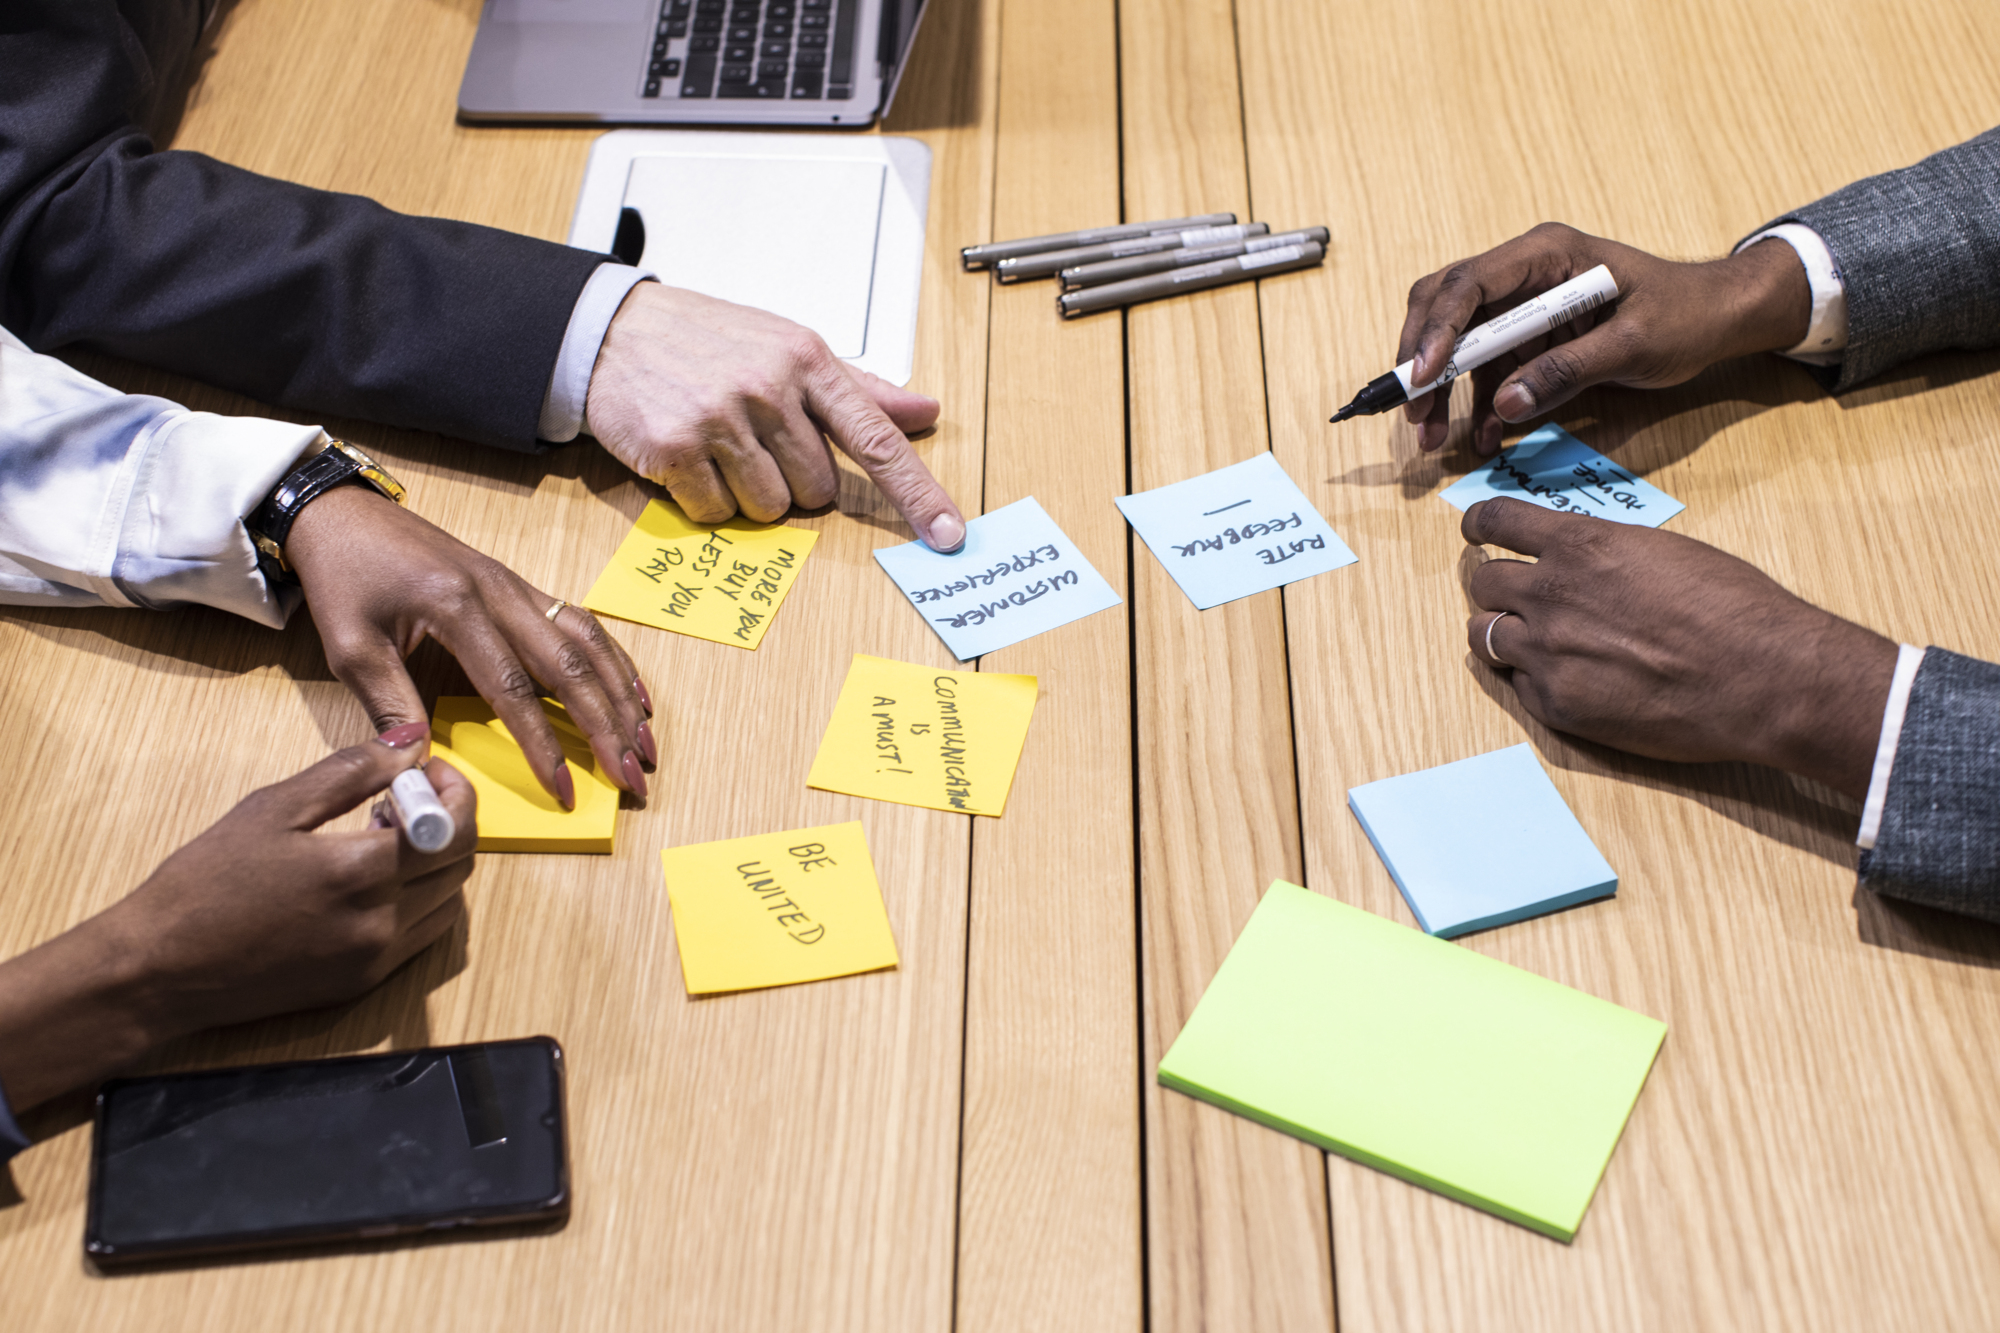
{"points": [[795, 236]]}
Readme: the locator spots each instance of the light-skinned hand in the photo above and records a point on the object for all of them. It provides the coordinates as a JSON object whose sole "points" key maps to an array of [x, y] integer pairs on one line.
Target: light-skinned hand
{"points": [[261, 914], [379, 580], [730, 409], [1671, 321], [1655, 643]]}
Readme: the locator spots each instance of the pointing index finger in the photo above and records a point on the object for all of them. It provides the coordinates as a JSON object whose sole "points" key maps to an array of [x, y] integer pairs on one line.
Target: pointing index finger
{"points": [[864, 433]]}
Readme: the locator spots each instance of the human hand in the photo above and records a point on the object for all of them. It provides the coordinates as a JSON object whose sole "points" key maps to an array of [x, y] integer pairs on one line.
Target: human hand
{"points": [[1671, 321], [258, 915], [1653, 642], [379, 579], [725, 406]]}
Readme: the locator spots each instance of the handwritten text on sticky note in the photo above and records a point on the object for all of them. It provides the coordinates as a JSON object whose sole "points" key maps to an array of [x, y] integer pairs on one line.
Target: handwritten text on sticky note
{"points": [[1016, 576], [944, 740], [722, 582], [1554, 469], [777, 908], [1237, 530]]}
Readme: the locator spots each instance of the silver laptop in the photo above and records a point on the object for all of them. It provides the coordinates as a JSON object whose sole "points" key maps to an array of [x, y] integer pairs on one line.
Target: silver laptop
{"points": [[696, 62]]}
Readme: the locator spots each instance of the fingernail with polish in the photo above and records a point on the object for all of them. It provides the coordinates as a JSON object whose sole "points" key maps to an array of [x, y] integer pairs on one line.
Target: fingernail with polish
{"points": [[947, 533], [646, 746], [403, 737], [634, 778], [645, 699], [1516, 402], [565, 787]]}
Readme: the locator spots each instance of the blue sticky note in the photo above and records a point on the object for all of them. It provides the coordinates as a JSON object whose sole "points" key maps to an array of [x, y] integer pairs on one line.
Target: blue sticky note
{"points": [[1554, 469], [1237, 530], [1016, 576], [1481, 842]]}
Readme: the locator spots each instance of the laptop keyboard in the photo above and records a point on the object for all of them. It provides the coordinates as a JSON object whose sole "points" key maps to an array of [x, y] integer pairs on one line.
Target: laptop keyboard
{"points": [[797, 49]]}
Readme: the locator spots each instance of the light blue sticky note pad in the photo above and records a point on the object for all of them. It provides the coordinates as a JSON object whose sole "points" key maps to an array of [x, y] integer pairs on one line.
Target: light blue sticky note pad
{"points": [[1481, 842], [1016, 576], [1237, 530], [1554, 469]]}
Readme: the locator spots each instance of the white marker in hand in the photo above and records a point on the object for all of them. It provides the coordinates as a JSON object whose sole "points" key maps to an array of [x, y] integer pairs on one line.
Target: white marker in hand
{"points": [[1495, 338], [427, 824]]}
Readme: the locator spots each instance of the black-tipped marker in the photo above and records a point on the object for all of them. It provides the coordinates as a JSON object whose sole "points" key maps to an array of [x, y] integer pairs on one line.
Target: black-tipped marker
{"points": [[1496, 337]]}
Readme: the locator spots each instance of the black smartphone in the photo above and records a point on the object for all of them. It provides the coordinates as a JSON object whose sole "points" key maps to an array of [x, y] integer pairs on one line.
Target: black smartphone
{"points": [[225, 1160]]}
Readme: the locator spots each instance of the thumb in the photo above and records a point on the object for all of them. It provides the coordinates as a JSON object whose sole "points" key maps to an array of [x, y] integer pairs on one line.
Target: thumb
{"points": [[910, 411], [344, 779], [1563, 372], [373, 671]]}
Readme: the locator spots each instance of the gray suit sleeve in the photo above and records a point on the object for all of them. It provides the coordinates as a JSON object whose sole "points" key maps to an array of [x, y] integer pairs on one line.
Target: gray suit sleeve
{"points": [[1939, 843], [1919, 253]]}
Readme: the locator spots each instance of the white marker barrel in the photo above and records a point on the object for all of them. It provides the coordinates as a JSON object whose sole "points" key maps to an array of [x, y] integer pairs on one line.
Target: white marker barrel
{"points": [[427, 824], [1530, 319]]}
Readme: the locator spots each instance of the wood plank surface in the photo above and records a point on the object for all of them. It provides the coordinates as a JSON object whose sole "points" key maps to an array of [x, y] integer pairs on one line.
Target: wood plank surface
{"points": [[1236, 1223], [1049, 1226], [1807, 1153], [975, 1140]]}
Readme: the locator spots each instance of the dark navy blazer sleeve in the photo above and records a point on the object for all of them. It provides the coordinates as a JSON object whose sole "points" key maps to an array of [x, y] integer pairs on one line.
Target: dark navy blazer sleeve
{"points": [[1939, 843], [12, 1140], [1919, 255], [324, 302]]}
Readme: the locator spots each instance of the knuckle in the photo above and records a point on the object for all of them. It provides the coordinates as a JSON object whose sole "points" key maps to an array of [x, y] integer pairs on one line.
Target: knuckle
{"points": [[879, 445], [515, 684], [808, 349], [374, 932], [573, 662], [1562, 370]]}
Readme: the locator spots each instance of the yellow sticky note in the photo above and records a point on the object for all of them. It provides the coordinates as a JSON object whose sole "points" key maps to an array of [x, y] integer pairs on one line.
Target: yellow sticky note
{"points": [[515, 814], [721, 582], [917, 735], [777, 909]]}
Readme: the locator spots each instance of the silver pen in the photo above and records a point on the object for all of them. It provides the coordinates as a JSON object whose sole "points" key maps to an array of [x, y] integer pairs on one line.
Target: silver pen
{"points": [[1175, 281], [1138, 266], [979, 256], [1050, 262]]}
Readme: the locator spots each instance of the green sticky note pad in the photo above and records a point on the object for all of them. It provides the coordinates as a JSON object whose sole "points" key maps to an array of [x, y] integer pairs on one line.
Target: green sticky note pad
{"points": [[1416, 1056]]}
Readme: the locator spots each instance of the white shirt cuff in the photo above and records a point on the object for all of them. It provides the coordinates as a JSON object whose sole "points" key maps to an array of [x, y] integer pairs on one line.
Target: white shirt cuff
{"points": [[569, 388], [1908, 659], [1826, 333]]}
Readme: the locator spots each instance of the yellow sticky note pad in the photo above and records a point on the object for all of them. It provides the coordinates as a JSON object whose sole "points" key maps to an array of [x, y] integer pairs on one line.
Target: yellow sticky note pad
{"points": [[721, 582], [777, 909], [917, 735], [515, 814]]}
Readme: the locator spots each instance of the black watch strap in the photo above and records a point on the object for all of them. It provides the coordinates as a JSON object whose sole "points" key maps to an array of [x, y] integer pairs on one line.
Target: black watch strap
{"points": [[270, 523]]}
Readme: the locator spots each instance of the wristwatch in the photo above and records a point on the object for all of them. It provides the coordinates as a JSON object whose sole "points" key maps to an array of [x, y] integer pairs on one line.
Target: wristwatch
{"points": [[329, 463]]}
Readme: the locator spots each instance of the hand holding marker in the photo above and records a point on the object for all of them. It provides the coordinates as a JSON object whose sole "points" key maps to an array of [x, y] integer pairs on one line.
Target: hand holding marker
{"points": [[1495, 338]]}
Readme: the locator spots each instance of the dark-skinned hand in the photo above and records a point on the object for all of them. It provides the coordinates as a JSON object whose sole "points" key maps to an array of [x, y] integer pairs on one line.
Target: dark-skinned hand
{"points": [[380, 580], [1671, 321], [730, 408], [1655, 643], [261, 914]]}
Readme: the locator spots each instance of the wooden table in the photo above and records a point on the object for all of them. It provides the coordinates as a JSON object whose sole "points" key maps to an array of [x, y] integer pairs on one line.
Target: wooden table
{"points": [[975, 1140]]}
